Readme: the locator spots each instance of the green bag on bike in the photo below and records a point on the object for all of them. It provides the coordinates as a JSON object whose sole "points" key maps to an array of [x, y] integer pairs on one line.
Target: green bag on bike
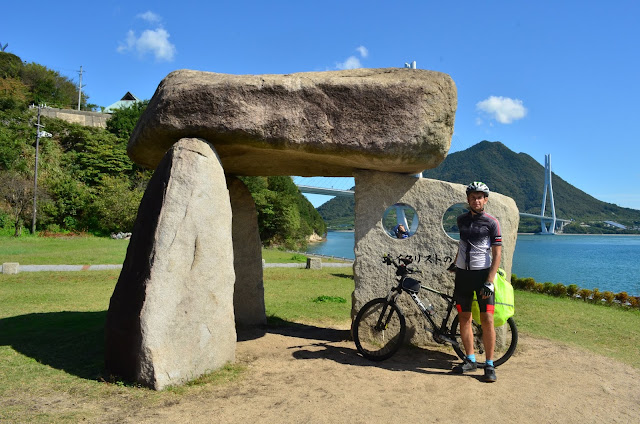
{"points": [[504, 305]]}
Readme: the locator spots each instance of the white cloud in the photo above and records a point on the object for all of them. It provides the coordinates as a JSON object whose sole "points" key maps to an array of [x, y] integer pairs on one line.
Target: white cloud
{"points": [[364, 52], [151, 41], [352, 62], [502, 109], [150, 17]]}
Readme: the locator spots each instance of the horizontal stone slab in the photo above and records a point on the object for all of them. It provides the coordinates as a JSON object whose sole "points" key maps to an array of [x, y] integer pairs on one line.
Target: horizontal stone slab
{"points": [[314, 123]]}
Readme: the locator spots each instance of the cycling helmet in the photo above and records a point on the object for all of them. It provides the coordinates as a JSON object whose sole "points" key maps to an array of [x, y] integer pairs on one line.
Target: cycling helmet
{"points": [[478, 186]]}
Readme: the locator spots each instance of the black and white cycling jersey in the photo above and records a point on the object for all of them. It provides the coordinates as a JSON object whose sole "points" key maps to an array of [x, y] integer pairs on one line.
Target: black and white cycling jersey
{"points": [[478, 232]]}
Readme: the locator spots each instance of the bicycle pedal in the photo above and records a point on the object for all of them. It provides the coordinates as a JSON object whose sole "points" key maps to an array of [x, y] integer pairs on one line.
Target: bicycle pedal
{"points": [[442, 339]]}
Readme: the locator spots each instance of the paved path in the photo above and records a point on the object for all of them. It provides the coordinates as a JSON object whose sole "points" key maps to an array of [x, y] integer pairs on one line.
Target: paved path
{"points": [[35, 268]]}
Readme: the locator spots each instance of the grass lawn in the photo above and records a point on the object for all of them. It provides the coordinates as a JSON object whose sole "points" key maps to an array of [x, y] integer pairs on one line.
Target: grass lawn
{"points": [[94, 250], [62, 251], [52, 329], [610, 331]]}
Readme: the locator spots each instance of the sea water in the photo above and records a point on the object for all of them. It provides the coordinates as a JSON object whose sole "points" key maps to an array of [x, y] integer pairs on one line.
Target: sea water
{"points": [[608, 262]]}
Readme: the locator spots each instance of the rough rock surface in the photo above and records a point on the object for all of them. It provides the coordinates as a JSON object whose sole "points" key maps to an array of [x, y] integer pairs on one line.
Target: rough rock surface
{"points": [[248, 294], [171, 317], [431, 247], [315, 123]]}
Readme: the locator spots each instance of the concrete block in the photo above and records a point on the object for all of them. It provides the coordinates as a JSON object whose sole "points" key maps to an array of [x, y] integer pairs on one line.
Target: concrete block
{"points": [[314, 263], [10, 268]]}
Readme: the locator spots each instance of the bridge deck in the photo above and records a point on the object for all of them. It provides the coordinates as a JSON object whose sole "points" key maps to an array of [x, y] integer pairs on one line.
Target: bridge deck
{"points": [[350, 193]]}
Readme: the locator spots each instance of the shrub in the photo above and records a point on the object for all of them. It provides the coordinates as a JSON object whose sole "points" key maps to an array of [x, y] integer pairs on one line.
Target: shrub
{"points": [[634, 302], [538, 287], [559, 290], [585, 294], [518, 283], [547, 287], [572, 290], [608, 297], [331, 299], [622, 297], [529, 284], [597, 296]]}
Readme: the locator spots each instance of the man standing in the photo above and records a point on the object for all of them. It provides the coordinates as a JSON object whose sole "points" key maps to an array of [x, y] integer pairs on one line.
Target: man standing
{"points": [[476, 264]]}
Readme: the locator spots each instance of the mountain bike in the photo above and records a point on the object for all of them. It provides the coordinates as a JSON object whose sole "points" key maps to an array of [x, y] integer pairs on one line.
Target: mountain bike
{"points": [[380, 326]]}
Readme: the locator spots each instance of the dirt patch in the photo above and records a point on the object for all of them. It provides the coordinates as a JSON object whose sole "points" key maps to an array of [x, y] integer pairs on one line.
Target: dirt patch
{"points": [[308, 374]]}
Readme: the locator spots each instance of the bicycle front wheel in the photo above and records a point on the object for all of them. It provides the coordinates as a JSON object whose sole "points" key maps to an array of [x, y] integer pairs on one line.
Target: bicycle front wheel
{"points": [[379, 329], [506, 341]]}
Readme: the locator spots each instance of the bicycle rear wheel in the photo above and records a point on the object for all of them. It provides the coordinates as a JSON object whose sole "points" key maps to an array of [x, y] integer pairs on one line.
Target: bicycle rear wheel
{"points": [[506, 341], [379, 329]]}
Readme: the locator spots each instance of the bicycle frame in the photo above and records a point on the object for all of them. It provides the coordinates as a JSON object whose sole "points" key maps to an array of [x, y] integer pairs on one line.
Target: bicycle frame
{"points": [[441, 332]]}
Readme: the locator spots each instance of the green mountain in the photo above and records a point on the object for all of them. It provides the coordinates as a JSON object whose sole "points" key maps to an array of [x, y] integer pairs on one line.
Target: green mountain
{"points": [[520, 177], [338, 213]]}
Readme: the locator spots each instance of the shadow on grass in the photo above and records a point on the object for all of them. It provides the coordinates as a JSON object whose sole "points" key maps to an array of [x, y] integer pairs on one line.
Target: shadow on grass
{"points": [[341, 275], [69, 341], [74, 342]]}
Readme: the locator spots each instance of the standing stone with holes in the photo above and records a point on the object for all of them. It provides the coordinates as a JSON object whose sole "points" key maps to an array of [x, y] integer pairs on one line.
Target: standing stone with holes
{"points": [[433, 250]]}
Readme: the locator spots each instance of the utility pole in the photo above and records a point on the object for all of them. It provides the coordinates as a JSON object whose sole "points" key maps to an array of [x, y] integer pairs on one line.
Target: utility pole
{"points": [[35, 175], [80, 88]]}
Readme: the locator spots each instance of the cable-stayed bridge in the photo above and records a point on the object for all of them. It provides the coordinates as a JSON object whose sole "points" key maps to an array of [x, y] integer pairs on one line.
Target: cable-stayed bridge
{"points": [[343, 187]]}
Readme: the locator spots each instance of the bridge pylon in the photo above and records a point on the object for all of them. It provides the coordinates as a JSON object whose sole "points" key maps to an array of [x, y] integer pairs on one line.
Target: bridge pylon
{"points": [[548, 186]]}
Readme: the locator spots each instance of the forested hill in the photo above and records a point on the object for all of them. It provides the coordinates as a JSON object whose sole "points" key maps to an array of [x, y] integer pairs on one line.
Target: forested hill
{"points": [[86, 181], [521, 177]]}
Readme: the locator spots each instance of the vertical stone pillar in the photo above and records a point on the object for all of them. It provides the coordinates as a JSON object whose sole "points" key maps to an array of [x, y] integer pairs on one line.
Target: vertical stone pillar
{"points": [[170, 317], [433, 250], [248, 295]]}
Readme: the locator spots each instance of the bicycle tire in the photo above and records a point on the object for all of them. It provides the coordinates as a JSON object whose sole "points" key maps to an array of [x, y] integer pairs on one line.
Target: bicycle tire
{"points": [[506, 341], [379, 344]]}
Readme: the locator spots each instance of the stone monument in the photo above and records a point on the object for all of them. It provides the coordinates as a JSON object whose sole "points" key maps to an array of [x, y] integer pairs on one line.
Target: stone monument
{"points": [[193, 269]]}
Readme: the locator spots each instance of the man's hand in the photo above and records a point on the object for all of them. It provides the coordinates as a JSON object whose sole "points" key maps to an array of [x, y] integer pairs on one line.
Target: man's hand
{"points": [[487, 290]]}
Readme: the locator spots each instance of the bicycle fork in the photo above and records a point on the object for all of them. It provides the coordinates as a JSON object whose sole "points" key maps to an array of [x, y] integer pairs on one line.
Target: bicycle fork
{"points": [[391, 298]]}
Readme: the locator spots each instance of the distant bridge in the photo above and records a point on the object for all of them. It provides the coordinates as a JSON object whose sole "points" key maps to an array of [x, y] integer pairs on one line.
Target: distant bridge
{"points": [[550, 224], [548, 220], [326, 191]]}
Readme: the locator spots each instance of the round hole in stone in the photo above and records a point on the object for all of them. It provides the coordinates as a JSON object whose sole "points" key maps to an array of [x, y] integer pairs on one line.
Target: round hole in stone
{"points": [[400, 221], [450, 219]]}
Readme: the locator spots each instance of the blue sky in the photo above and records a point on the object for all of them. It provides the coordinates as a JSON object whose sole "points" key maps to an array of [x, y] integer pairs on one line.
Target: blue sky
{"points": [[558, 77]]}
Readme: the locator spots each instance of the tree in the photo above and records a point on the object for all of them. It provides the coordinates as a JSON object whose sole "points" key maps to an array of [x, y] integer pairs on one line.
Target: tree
{"points": [[10, 65], [48, 86], [285, 216], [116, 205], [13, 94], [92, 153], [17, 192], [124, 120]]}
